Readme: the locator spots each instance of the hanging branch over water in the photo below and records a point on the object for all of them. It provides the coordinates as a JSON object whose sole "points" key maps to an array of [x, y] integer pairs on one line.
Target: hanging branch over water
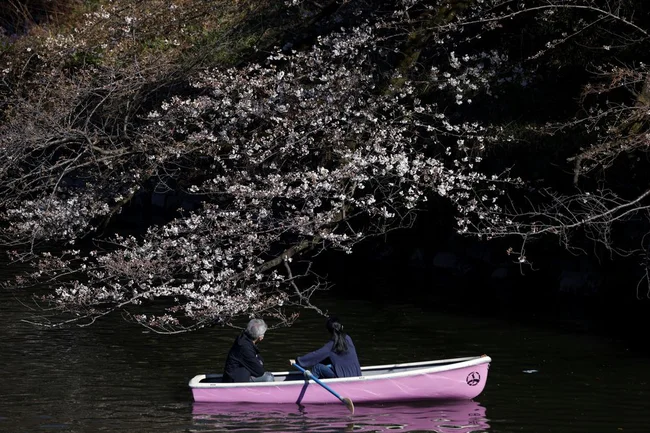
{"points": [[304, 150]]}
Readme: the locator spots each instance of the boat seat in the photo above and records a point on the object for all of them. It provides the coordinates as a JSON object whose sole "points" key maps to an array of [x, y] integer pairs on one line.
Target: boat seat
{"points": [[211, 378]]}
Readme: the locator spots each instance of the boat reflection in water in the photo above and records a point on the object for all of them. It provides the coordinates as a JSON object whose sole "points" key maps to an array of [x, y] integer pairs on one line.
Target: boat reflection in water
{"points": [[433, 416]]}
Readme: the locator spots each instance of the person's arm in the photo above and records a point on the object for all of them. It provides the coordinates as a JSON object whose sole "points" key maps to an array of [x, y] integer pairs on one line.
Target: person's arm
{"points": [[251, 361], [313, 358]]}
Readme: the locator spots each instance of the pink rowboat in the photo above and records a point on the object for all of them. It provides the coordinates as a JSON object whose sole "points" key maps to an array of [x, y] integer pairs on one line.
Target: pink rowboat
{"points": [[447, 379]]}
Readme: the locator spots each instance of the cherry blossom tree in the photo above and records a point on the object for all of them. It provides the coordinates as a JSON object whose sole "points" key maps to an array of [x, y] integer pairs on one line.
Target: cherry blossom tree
{"points": [[310, 146]]}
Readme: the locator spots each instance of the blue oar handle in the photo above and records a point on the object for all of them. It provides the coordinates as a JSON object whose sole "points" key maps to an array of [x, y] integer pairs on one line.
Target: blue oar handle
{"points": [[311, 376]]}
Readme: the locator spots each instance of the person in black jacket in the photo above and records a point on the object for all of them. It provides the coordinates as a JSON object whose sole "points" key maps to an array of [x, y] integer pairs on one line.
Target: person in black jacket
{"points": [[339, 353], [244, 362]]}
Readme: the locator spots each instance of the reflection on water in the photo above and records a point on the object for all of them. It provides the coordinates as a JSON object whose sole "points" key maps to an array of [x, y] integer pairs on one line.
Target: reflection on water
{"points": [[440, 417]]}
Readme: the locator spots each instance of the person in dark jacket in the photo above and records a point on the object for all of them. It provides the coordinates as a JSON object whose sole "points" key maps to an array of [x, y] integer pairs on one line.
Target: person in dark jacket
{"points": [[244, 362], [337, 358]]}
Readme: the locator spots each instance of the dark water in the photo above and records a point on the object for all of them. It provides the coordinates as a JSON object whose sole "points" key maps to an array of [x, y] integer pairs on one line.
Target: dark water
{"points": [[115, 377]]}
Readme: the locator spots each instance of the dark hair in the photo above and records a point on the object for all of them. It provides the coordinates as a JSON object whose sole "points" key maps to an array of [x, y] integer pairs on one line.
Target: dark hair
{"points": [[336, 329]]}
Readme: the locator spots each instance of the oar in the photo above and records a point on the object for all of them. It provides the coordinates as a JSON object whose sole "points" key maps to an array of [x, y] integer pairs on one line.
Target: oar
{"points": [[346, 401]]}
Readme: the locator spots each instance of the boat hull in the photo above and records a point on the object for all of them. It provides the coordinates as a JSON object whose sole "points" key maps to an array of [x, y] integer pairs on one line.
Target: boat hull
{"points": [[456, 381]]}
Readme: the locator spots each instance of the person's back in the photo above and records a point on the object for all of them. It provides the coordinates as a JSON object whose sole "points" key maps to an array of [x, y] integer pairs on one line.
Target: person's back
{"points": [[345, 364], [244, 362], [340, 352]]}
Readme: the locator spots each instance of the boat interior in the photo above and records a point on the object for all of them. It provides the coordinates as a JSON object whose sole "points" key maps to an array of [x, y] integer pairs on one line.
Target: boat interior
{"points": [[366, 371]]}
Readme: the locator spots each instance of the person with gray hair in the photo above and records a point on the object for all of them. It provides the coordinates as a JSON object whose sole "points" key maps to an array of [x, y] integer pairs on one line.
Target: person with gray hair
{"points": [[256, 328], [244, 362]]}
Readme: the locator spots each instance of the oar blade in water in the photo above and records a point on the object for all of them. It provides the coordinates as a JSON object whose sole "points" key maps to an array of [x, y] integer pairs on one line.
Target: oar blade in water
{"points": [[348, 404]]}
